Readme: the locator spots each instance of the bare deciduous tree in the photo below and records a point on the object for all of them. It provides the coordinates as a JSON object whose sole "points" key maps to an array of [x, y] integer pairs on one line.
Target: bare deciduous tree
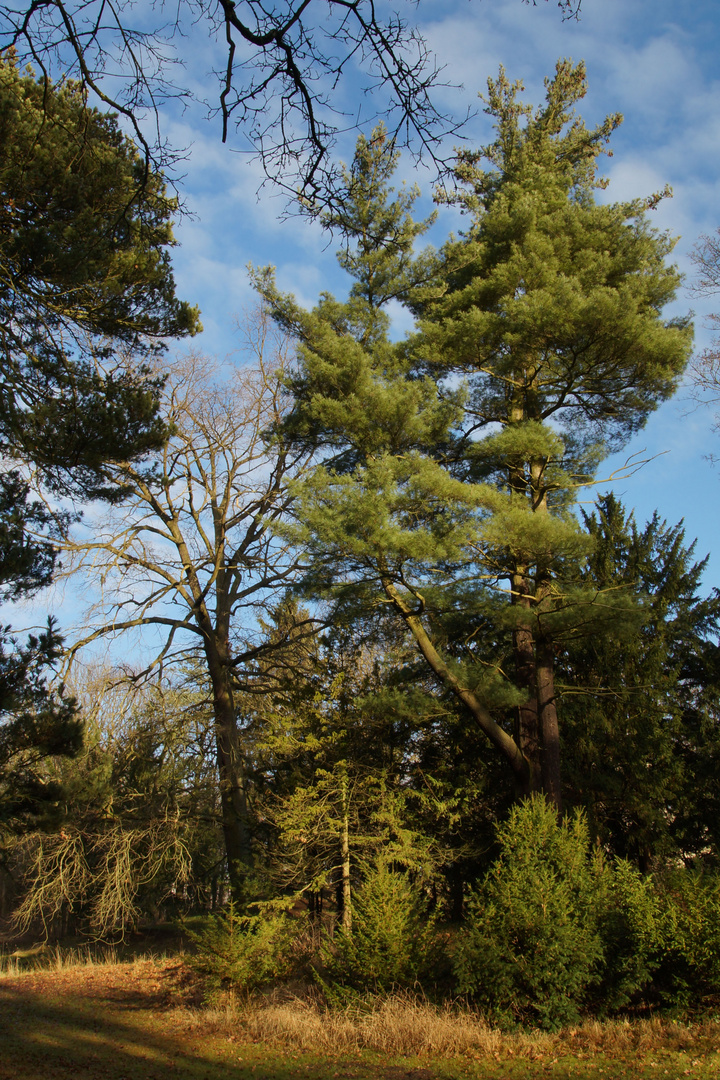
{"points": [[705, 368], [191, 550]]}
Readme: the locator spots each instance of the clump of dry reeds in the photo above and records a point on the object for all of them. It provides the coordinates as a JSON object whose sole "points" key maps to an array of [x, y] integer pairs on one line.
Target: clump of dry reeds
{"points": [[395, 1025], [640, 1035]]}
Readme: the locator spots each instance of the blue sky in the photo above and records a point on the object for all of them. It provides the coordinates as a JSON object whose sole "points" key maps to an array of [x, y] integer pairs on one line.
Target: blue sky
{"points": [[655, 61]]}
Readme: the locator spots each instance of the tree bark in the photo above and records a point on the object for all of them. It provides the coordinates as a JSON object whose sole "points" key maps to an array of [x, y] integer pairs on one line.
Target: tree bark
{"points": [[231, 773], [545, 663], [527, 720], [549, 728], [537, 719]]}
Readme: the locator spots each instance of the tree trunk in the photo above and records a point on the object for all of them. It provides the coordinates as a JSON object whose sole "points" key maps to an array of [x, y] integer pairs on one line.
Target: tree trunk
{"points": [[231, 774], [497, 735], [549, 729], [527, 720], [345, 859], [537, 720]]}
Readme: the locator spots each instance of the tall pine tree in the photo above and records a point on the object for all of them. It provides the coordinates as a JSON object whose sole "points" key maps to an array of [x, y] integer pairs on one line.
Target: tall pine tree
{"points": [[452, 458], [87, 298]]}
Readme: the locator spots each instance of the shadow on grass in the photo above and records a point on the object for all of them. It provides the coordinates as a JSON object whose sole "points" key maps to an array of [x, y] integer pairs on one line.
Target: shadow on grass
{"points": [[47, 1038]]}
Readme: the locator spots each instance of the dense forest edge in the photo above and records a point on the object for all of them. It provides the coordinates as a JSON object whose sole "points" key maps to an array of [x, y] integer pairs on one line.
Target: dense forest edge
{"points": [[418, 727]]}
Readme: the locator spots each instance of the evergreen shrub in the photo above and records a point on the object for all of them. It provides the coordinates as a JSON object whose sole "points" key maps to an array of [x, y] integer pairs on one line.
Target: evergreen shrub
{"points": [[628, 911], [246, 952], [392, 944], [661, 937], [688, 939], [533, 944]]}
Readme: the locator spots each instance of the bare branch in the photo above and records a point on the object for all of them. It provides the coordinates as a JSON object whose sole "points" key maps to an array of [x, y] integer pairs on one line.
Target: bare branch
{"points": [[704, 369], [278, 84]]}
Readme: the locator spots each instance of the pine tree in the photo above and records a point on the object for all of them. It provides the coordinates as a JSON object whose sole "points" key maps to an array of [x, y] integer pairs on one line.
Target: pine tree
{"points": [[554, 321], [87, 294], [87, 298], [452, 459]]}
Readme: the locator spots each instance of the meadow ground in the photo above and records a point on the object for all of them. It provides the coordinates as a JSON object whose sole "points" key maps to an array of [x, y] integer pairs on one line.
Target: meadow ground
{"points": [[142, 1021]]}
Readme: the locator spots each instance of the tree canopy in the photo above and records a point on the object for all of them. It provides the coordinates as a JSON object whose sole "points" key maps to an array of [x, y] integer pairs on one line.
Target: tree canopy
{"points": [[87, 296]]}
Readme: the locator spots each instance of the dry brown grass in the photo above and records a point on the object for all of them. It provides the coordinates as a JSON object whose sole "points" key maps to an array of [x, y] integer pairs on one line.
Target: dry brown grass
{"points": [[401, 1026], [54, 958], [143, 1018], [395, 1026]]}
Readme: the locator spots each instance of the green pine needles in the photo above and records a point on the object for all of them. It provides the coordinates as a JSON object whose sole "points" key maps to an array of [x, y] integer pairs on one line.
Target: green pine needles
{"points": [[449, 462], [245, 952], [555, 930], [533, 944]]}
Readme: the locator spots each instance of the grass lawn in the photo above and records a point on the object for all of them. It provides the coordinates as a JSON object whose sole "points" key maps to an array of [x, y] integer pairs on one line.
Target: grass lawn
{"points": [[133, 1022]]}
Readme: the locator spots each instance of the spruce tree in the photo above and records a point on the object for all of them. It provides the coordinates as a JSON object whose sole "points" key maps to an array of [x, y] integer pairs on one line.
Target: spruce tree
{"points": [[452, 459], [648, 794]]}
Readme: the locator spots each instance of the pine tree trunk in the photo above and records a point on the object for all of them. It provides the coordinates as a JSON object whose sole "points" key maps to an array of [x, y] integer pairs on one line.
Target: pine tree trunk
{"points": [[535, 665], [527, 720], [507, 746]]}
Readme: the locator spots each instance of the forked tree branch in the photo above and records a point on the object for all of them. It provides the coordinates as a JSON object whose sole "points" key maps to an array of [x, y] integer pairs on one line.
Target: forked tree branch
{"points": [[279, 84]]}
